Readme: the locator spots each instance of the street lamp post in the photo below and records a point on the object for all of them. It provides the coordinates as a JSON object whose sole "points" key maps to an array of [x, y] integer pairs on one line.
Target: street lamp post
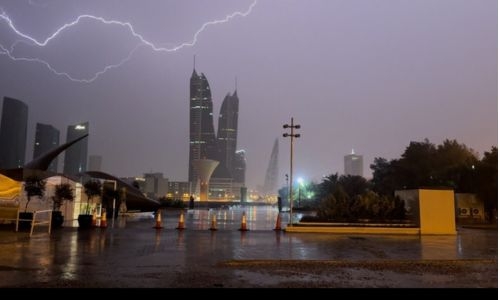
{"points": [[292, 135], [287, 188]]}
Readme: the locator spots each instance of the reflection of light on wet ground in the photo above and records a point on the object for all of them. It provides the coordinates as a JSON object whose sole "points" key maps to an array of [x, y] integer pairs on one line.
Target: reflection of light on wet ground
{"points": [[439, 247], [261, 219], [137, 249], [69, 269]]}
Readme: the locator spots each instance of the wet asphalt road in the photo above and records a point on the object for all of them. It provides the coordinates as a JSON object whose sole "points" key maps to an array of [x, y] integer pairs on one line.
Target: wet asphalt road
{"points": [[133, 254]]}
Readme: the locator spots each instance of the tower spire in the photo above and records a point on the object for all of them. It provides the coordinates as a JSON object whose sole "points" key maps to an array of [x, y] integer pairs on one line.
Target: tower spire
{"points": [[235, 83], [194, 62]]}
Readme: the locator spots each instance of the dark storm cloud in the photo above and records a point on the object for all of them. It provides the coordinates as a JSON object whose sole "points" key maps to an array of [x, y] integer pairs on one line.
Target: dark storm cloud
{"points": [[364, 74]]}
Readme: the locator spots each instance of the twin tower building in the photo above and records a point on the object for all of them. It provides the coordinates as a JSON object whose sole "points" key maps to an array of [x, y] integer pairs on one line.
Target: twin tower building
{"points": [[227, 179], [206, 149]]}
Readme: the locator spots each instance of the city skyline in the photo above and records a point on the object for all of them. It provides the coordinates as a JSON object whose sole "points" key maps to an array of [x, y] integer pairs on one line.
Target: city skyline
{"points": [[366, 75]]}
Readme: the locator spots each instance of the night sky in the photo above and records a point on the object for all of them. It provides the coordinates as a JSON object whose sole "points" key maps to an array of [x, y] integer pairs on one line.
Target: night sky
{"points": [[368, 75]]}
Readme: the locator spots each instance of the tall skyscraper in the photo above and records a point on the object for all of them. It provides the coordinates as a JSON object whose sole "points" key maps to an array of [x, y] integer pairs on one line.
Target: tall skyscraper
{"points": [[227, 133], [46, 139], [95, 162], [13, 131], [239, 166], [353, 164], [75, 159], [202, 143], [271, 180]]}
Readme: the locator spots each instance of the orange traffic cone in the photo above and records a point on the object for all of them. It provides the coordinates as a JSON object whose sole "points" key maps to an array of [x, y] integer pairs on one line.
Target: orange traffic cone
{"points": [[158, 220], [181, 222], [278, 222], [104, 221], [243, 223], [94, 218], [213, 225]]}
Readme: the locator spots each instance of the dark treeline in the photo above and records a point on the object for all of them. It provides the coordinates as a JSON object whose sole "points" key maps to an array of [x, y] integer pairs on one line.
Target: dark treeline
{"points": [[422, 165]]}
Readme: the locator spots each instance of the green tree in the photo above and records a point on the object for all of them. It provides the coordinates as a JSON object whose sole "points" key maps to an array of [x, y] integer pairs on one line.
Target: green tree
{"points": [[486, 179], [384, 180], [328, 185], [92, 189], [33, 186], [63, 191], [454, 166], [416, 166], [424, 165], [354, 185]]}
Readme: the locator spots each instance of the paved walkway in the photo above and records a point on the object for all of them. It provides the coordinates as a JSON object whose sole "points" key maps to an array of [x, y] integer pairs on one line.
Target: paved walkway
{"points": [[133, 254]]}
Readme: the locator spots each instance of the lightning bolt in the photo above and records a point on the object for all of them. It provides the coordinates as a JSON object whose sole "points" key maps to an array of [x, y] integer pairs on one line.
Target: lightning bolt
{"points": [[142, 41]]}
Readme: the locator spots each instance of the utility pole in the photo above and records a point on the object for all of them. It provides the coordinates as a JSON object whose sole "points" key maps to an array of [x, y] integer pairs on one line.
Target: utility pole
{"points": [[287, 188], [292, 135]]}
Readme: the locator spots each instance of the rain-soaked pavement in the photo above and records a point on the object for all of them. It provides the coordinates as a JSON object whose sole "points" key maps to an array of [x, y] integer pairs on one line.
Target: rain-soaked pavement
{"points": [[130, 253]]}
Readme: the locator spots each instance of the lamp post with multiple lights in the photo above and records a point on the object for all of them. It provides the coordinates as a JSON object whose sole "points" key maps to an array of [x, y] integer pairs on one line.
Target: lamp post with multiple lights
{"points": [[292, 135]]}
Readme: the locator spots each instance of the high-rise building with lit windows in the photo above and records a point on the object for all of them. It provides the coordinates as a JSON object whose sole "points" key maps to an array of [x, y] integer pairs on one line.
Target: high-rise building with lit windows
{"points": [[202, 143], [229, 174], [227, 133], [353, 164], [13, 131], [75, 158], [46, 139]]}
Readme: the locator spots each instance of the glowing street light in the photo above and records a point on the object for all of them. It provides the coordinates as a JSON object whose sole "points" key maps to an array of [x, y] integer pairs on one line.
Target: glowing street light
{"points": [[291, 135], [300, 181]]}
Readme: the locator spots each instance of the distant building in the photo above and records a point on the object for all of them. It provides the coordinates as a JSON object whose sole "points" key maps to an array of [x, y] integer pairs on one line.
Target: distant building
{"points": [[13, 131], [239, 166], [271, 179], [137, 182], [95, 163], [46, 139], [75, 159], [353, 164], [178, 190], [155, 185], [227, 133]]}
